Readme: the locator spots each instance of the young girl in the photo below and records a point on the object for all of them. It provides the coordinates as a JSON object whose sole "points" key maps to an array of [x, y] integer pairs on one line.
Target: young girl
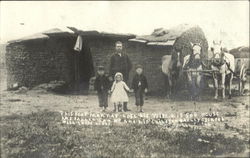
{"points": [[119, 95]]}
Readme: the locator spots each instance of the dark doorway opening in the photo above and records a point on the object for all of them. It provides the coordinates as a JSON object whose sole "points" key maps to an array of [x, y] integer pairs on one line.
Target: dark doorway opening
{"points": [[83, 69]]}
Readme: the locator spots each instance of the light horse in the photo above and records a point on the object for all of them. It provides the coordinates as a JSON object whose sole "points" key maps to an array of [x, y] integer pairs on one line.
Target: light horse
{"points": [[193, 65], [223, 63], [171, 68]]}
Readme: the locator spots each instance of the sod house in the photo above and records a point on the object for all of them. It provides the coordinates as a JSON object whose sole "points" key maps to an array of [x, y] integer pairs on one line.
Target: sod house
{"points": [[50, 55]]}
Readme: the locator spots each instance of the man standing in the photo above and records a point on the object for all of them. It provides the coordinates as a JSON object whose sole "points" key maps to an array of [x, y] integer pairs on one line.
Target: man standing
{"points": [[120, 62]]}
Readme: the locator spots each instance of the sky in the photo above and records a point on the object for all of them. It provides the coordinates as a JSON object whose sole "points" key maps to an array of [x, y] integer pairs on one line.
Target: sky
{"points": [[220, 20]]}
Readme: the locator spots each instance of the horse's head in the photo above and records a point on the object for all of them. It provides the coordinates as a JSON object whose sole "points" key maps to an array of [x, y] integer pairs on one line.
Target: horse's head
{"points": [[217, 50], [218, 54], [195, 57], [196, 47], [177, 59]]}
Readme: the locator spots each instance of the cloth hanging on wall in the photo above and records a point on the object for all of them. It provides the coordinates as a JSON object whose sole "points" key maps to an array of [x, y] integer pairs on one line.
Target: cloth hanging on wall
{"points": [[79, 44]]}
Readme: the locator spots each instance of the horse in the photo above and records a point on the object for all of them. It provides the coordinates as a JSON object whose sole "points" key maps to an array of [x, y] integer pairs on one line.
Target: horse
{"points": [[171, 68], [223, 63], [193, 65]]}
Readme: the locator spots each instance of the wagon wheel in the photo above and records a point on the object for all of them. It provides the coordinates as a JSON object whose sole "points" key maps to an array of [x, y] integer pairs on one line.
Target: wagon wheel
{"points": [[242, 79]]}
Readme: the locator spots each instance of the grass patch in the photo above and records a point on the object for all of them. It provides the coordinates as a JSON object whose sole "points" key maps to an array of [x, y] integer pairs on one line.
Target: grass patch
{"points": [[41, 135]]}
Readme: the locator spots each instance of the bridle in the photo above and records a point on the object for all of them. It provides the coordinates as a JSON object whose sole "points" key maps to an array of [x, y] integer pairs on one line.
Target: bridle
{"points": [[218, 62], [189, 62], [198, 53]]}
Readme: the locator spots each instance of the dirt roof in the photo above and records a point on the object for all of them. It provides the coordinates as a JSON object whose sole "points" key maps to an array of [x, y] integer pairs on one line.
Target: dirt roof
{"points": [[94, 33], [36, 36], [164, 35], [42, 35], [57, 32], [53, 31], [240, 52]]}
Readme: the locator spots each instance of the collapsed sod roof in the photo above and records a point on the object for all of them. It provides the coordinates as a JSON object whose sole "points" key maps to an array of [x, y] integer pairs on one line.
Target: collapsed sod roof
{"points": [[59, 33], [178, 37], [96, 34], [240, 52], [42, 35]]}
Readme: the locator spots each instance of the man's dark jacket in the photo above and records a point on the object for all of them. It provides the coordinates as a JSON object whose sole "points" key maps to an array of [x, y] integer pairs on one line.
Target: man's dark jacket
{"points": [[120, 64], [139, 78], [102, 83]]}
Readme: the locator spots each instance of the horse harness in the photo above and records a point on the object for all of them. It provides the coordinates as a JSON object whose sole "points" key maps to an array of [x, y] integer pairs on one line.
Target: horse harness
{"points": [[194, 66], [221, 61]]}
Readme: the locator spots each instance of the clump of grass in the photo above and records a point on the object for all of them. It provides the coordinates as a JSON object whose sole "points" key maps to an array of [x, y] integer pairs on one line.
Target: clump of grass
{"points": [[42, 135]]}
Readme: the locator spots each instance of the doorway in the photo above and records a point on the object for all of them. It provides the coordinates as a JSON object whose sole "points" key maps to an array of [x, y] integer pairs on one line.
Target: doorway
{"points": [[83, 69]]}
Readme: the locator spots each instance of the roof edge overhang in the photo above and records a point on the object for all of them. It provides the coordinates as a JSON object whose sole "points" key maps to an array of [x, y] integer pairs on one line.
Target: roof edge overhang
{"points": [[75, 32], [168, 43], [55, 32], [94, 33], [153, 43], [137, 40], [42, 37]]}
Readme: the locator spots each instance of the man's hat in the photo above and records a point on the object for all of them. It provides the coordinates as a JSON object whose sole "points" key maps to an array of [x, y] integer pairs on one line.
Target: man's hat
{"points": [[138, 66], [100, 67]]}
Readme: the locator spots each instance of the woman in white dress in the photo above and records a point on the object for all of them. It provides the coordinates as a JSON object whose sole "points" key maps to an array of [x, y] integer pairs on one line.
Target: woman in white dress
{"points": [[119, 92]]}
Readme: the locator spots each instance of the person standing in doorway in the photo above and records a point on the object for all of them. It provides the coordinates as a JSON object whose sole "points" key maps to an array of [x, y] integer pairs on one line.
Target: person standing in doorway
{"points": [[120, 62]]}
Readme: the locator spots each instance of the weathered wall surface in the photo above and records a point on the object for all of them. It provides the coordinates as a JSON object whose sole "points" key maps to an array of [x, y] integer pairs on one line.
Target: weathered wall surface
{"points": [[149, 57], [102, 49], [41, 61], [34, 62]]}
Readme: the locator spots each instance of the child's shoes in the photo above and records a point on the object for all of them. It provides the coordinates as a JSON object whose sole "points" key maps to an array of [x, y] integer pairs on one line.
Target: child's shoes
{"points": [[104, 110]]}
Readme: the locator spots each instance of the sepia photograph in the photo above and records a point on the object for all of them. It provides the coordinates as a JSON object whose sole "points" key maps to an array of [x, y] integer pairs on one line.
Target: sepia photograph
{"points": [[124, 79]]}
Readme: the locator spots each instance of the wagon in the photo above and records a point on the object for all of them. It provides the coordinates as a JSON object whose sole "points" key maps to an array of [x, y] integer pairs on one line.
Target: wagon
{"points": [[242, 66], [241, 71]]}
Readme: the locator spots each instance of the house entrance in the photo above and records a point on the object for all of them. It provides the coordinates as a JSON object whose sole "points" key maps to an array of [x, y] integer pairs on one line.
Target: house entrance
{"points": [[83, 69]]}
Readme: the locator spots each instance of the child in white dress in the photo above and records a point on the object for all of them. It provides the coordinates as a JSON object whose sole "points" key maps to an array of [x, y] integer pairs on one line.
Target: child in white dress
{"points": [[119, 92]]}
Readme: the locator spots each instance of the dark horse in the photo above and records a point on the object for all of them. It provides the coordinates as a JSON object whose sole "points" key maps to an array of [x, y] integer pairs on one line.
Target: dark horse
{"points": [[171, 68]]}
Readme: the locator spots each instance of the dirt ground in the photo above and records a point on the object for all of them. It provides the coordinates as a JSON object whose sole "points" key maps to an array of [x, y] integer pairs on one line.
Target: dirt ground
{"points": [[235, 111], [36, 100], [20, 106]]}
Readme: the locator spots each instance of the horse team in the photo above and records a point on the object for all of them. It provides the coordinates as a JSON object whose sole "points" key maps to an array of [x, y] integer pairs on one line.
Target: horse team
{"points": [[193, 66]]}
